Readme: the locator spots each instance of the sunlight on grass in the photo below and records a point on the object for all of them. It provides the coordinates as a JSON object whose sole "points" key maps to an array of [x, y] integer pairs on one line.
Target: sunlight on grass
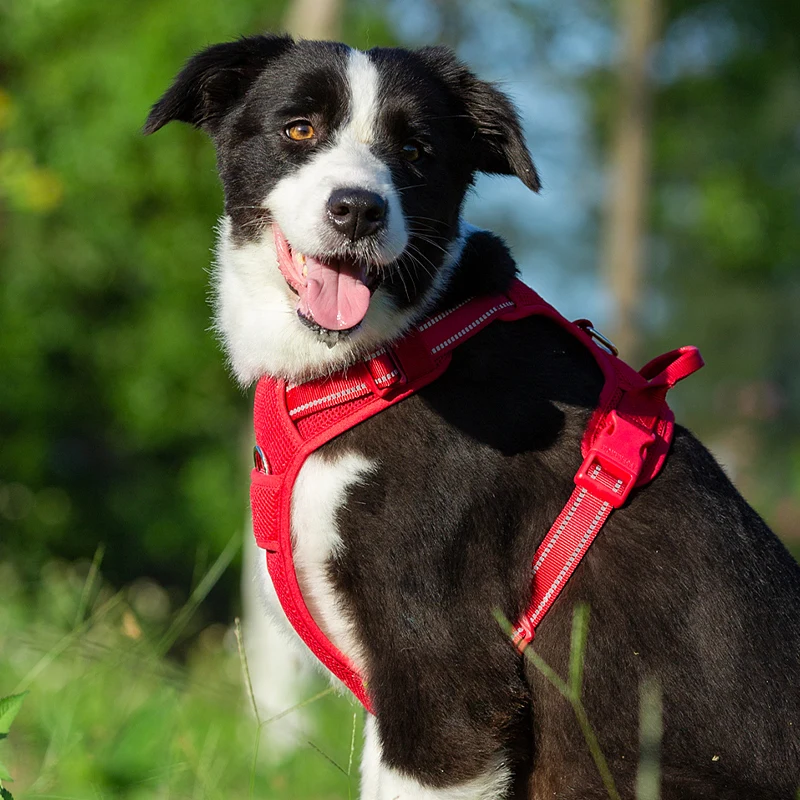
{"points": [[127, 700]]}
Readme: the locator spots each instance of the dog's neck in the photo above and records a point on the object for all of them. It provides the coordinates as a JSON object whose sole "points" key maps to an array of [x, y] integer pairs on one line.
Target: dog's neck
{"points": [[256, 321]]}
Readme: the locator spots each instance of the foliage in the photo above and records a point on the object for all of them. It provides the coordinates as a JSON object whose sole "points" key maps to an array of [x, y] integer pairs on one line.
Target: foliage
{"points": [[111, 717], [9, 708], [725, 239]]}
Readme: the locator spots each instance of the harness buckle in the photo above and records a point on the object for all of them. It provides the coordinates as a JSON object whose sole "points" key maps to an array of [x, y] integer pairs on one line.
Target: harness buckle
{"points": [[613, 464], [400, 364]]}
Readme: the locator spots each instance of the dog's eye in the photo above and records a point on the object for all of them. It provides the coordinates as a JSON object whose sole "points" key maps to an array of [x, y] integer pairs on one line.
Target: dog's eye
{"points": [[300, 131], [412, 151]]}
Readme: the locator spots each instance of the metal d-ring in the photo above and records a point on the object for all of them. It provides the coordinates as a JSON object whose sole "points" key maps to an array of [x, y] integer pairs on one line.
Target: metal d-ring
{"points": [[260, 460], [603, 341]]}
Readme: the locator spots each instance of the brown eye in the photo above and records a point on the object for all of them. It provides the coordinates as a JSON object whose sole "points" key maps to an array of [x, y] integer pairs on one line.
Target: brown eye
{"points": [[411, 151], [300, 131]]}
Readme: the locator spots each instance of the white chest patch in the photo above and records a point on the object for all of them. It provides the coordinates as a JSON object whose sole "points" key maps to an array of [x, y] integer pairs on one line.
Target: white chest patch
{"points": [[319, 494]]}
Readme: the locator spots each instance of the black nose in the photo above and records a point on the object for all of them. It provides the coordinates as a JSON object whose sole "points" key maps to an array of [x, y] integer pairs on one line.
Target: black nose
{"points": [[356, 212]]}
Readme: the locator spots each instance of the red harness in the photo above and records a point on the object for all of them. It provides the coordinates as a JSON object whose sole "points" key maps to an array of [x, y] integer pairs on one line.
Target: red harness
{"points": [[625, 445]]}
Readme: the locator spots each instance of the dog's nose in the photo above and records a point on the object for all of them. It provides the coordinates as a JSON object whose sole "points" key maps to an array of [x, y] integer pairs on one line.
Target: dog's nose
{"points": [[357, 212]]}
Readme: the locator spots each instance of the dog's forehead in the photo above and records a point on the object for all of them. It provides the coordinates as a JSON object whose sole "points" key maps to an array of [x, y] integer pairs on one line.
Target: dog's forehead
{"points": [[334, 80], [308, 74]]}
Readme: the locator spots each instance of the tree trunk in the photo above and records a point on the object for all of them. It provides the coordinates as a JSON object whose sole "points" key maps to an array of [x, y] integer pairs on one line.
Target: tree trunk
{"points": [[279, 678], [625, 225], [315, 19]]}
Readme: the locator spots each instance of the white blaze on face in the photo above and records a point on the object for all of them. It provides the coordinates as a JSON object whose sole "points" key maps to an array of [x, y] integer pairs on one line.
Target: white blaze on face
{"points": [[299, 201]]}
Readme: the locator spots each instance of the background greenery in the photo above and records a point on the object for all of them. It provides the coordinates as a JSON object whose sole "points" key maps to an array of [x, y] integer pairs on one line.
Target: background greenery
{"points": [[119, 424]]}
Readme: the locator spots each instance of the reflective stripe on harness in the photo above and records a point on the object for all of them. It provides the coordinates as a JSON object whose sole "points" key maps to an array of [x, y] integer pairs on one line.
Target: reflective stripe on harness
{"points": [[624, 446]]}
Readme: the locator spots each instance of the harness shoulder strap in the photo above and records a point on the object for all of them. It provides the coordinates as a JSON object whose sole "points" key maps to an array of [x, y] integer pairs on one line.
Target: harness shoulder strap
{"points": [[625, 445]]}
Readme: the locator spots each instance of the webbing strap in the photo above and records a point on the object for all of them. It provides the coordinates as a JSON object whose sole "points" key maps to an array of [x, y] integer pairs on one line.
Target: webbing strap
{"points": [[618, 458], [559, 555], [419, 352]]}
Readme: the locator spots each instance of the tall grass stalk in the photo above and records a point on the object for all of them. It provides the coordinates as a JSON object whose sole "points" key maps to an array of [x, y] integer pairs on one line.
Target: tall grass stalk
{"points": [[571, 691], [199, 594], [261, 724], [648, 778]]}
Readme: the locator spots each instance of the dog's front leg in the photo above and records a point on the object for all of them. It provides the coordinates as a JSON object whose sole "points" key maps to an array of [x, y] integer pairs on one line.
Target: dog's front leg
{"points": [[379, 781]]}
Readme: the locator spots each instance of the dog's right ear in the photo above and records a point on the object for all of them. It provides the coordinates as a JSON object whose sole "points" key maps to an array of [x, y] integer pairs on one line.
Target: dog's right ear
{"points": [[213, 80]]}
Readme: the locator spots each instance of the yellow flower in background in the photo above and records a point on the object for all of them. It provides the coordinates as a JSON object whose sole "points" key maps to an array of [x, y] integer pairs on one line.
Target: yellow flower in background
{"points": [[25, 185]]}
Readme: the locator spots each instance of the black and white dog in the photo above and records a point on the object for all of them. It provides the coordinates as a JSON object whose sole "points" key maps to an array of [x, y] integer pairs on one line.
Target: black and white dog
{"points": [[344, 175]]}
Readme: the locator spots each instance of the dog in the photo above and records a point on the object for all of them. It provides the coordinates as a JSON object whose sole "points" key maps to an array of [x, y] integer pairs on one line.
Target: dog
{"points": [[344, 174]]}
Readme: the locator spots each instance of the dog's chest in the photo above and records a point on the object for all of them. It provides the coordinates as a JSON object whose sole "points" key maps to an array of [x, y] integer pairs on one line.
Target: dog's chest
{"points": [[320, 494]]}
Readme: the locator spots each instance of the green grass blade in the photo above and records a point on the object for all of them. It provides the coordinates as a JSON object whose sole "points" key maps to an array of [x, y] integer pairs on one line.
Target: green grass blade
{"points": [[246, 668], [200, 593], [595, 750], [577, 647], [89, 584], [4, 774], [648, 778]]}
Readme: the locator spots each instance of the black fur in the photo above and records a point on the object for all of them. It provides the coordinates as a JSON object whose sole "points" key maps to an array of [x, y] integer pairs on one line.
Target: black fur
{"points": [[686, 584], [243, 93]]}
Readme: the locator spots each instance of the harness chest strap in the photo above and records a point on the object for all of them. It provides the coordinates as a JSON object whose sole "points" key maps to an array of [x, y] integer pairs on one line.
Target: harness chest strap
{"points": [[625, 445]]}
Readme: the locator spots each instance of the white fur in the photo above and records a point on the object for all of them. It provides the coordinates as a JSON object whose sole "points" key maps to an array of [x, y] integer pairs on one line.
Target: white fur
{"points": [[319, 492], [364, 84], [280, 674], [257, 320], [380, 782], [255, 310]]}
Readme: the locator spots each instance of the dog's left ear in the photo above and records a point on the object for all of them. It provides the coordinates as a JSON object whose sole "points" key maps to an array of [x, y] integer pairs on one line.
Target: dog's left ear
{"points": [[498, 141]]}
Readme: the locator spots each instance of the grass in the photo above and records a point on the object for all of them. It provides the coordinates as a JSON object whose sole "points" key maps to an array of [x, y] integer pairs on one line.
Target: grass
{"points": [[112, 713]]}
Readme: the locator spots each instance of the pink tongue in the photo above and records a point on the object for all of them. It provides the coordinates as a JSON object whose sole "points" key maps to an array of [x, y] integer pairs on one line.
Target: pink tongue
{"points": [[336, 295]]}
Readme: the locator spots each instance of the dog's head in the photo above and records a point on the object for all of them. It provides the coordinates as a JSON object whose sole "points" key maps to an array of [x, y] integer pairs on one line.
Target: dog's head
{"points": [[344, 175]]}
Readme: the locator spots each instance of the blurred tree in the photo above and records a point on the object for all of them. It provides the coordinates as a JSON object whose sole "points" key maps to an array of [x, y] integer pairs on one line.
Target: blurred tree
{"points": [[725, 248], [622, 253], [315, 19], [119, 423]]}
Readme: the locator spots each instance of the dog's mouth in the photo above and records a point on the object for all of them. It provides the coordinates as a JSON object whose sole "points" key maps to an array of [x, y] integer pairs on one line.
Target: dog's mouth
{"points": [[334, 293]]}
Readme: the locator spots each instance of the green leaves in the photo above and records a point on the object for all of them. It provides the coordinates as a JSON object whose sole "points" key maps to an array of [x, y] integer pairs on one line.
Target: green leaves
{"points": [[9, 708]]}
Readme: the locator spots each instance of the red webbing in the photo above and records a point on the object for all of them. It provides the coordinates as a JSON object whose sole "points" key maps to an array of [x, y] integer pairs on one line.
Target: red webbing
{"points": [[625, 445]]}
